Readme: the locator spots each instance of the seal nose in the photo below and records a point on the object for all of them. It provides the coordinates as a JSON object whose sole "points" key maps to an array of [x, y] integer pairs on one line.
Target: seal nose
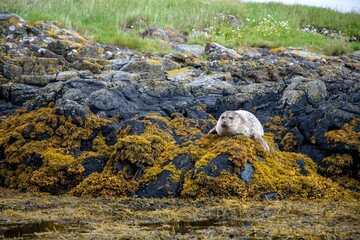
{"points": [[224, 125]]}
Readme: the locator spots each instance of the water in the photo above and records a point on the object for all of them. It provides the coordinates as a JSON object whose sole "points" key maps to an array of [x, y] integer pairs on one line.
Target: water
{"points": [[31, 230], [183, 227], [341, 6]]}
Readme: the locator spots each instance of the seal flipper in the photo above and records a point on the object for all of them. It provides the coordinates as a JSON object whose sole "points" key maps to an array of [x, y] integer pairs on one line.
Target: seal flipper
{"points": [[212, 131], [263, 143]]}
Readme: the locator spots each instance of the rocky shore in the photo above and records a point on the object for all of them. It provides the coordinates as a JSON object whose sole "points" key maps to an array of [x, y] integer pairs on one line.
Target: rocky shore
{"points": [[85, 118]]}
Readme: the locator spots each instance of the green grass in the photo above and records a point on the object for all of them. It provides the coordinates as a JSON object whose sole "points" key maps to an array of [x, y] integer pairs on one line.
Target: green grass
{"points": [[265, 24]]}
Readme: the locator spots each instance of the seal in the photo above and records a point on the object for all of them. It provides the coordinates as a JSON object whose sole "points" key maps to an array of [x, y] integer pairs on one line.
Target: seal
{"points": [[240, 122]]}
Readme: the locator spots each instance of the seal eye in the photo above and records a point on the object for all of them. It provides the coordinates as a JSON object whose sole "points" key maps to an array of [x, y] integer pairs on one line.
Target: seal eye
{"points": [[231, 118], [222, 117]]}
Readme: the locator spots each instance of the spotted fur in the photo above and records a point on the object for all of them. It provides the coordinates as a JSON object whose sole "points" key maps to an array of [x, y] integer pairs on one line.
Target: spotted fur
{"points": [[240, 122]]}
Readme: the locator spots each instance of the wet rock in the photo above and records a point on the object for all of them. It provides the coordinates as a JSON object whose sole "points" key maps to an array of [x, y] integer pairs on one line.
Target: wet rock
{"points": [[183, 162], [269, 196], [109, 132], [301, 164], [248, 173], [92, 165], [160, 187], [35, 161], [136, 126], [215, 166]]}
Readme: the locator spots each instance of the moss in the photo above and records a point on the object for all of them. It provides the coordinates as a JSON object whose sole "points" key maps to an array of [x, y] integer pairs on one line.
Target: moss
{"points": [[100, 146], [202, 185], [105, 185], [161, 141], [51, 137], [154, 62], [288, 141], [58, 171], [346, 135], [337, 163], [176, 72], [138, 149], [279, 50]]}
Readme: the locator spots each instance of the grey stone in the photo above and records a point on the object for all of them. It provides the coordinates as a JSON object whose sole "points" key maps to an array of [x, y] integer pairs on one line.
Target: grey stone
{"points": [[106, 100], [195, 49], [63, 76], [18, 93], [76, 111], [247, 174], [316, 91]]}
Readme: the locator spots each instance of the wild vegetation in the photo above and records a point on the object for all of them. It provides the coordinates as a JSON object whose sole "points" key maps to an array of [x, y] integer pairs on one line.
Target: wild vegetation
{"points": [[256, 25]]}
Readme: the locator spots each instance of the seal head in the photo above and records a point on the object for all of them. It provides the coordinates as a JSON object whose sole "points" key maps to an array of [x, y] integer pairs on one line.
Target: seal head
{"points": [[228, 123]]}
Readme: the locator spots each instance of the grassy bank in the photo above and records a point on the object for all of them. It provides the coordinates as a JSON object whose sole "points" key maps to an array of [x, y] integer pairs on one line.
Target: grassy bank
{"points": [[264, 24]]}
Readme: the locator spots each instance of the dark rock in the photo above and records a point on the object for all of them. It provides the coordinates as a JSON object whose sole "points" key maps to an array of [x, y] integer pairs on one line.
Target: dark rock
{"points": [[137, 127], [6, 108], [314, 152], [12, 71], [109, 132], [35, 161], [215, 166], [59, 47], [301, 164], [105, 100], [183, 162], [13, 139], [160, 187], [18, 93], [269, 196], [86, 146], [74, 110], [2, 154], [42, 136], [247, 174], [92, 165], [132, 170], [317, 122], [75, 152]]}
